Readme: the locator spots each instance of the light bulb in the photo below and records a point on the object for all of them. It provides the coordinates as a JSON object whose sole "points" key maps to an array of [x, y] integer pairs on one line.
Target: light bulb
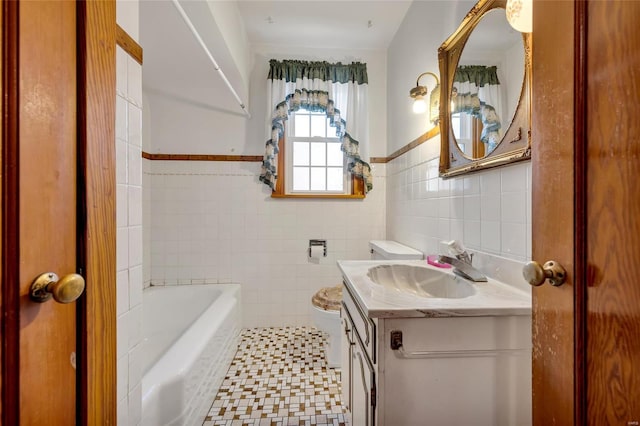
{"points": [[419, 106], [520, 15]]}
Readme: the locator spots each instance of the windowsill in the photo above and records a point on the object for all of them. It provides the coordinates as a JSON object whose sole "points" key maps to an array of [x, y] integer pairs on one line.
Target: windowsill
{"points": [[321, 196]]}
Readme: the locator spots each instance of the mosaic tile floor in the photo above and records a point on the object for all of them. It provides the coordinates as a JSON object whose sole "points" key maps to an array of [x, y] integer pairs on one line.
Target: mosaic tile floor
{"points": [[279, 377]]}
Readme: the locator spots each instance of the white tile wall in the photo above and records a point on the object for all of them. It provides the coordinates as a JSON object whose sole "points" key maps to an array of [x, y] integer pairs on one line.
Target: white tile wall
{"points": [[146, 220], [214, 222], [489, 211], [129, 242]]}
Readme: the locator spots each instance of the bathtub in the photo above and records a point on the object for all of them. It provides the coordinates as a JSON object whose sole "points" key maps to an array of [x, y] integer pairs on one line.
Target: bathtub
{"points": [[190, 335]]}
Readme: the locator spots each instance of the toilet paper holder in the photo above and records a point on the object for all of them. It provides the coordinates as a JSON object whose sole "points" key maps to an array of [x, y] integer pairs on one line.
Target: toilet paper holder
{"points": [[322, 243]]}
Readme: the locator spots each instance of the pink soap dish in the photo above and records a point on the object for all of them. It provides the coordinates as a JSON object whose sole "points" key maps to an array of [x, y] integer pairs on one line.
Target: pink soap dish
{"points": [[433, 260]]}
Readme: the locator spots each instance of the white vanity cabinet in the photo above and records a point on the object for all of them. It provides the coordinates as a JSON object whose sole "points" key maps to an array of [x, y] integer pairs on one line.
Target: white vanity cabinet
{"points": [[358, 371], [439, 369], [363, 382]]}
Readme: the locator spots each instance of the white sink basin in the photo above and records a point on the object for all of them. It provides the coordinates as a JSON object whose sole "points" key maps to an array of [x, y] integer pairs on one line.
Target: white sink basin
{"points": [[420, 281]]}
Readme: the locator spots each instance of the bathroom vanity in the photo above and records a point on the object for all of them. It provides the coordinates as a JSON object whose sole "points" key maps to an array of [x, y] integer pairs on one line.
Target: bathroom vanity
{"points": [[421, 345]]}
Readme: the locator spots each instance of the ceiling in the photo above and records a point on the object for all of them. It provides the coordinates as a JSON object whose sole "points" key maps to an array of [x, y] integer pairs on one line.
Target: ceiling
{"points": [[493, 32], [327, 24], [176, 67]]}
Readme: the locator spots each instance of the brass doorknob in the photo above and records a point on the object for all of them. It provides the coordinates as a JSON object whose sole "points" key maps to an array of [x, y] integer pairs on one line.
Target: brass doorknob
{"points": [[536, 275], [64, 290]]}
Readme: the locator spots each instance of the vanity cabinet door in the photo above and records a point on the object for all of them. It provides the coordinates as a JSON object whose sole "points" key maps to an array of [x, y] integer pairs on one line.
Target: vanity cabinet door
{"points": [[346, 352], [363, 398]]}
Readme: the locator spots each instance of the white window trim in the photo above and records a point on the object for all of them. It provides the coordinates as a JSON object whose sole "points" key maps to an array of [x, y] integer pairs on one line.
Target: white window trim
{"points": [[464, 139], [289, 139]]}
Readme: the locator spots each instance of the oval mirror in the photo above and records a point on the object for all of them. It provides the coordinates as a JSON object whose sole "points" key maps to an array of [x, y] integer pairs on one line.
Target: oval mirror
{"points": [[487, 85], [485, 118]]}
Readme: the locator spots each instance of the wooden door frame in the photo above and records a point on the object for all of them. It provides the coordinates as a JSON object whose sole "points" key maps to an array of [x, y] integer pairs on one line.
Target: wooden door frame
{"points": [[559, 176], [96, 132], [96, 252], [580, 169], [10, 299]]}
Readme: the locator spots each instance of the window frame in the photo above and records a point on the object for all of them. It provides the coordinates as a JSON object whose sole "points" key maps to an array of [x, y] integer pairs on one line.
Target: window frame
{"points": [[285, 167], [291, 139], [470, 129]]}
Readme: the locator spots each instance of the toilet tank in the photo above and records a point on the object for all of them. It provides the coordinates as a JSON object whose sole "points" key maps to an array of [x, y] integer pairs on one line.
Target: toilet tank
{"points": [[392, 250]]}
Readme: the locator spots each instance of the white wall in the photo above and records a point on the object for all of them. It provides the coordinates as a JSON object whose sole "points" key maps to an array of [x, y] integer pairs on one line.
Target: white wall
{"points": [[182, 126], [413, 51], [213, 222], [512, 72], [129, 242], [489, 211], [231, 25]]}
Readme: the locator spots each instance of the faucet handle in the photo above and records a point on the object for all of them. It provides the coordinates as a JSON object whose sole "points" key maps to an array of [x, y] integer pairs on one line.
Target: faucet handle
{"points": [[466, 257], [456, 247]]}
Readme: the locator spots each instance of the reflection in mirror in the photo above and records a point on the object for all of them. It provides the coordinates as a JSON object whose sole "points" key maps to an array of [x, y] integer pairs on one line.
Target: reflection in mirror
{"points": [[485, 71], [487, 85]]}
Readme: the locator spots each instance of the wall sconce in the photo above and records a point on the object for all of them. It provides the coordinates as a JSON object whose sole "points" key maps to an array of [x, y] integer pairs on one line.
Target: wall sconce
{"points": [[420, 104], [520, 15]]}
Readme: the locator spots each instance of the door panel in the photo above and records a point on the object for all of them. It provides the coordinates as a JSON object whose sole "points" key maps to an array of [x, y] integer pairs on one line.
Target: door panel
{"points": [[586, 212], [345, 358], [613, 213], [362, 379], [58, 210], [97, 97], [553, 210], [47, 200]]}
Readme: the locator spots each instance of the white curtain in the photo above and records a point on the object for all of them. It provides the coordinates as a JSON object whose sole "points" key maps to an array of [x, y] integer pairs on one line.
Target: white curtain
{"points": [[476, 91], [336, 89]]}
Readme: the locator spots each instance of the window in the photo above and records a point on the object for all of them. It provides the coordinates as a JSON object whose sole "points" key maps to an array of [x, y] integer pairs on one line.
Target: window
{"points": [[311, 163], [315, 160], [467, 130], [461, 126]]}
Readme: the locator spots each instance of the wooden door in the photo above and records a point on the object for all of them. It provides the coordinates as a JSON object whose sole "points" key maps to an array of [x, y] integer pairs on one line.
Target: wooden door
{"points": [[612, 130], [586, 212], [47, 154], [58, 86], [554, 213]]}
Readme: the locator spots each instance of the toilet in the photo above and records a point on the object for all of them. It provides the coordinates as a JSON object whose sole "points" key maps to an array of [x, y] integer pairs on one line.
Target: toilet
{"points": [[392, 250], [327, 301], [326, 316]]}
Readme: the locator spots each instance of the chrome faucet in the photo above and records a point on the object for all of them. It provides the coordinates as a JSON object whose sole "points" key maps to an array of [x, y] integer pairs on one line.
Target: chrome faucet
{"points": [[457, 249], [462, 262], [463, 269]]}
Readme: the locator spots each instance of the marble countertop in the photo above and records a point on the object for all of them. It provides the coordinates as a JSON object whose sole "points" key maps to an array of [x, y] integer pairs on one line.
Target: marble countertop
{"points": [[492, 298]]}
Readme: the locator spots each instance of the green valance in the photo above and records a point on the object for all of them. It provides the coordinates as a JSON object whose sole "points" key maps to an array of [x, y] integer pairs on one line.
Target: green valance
{"points": [[292, 70], [480, 75]]}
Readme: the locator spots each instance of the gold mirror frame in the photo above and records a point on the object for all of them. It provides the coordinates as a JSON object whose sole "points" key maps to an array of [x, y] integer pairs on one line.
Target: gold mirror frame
{"points": [[516, 142]]}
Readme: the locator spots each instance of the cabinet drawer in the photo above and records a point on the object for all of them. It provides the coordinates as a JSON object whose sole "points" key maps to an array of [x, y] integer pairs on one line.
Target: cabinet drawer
{"points": [[364, 327]]}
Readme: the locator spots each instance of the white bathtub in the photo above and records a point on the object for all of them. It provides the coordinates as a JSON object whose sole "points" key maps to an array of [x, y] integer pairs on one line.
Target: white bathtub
{"points": [[190, 335]]}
